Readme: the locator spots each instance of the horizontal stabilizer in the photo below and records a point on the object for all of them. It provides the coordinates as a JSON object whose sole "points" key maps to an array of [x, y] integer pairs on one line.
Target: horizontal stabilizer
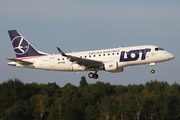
{"points": [[19, 61]]}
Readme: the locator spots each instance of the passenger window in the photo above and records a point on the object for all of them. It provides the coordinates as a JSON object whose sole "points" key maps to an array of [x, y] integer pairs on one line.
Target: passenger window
{"points": [[99, 55], [112, 53], [94, 55], [62, 58], [84, 56], [117, 53], [103, 54], [89, 56]]}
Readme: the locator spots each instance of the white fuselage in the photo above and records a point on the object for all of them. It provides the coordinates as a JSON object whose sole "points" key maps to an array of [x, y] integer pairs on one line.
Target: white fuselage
{"points": [[126, 56]]}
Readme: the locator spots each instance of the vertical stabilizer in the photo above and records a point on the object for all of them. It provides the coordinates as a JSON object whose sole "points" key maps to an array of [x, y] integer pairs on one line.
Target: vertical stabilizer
{"points": [[22, 47]]}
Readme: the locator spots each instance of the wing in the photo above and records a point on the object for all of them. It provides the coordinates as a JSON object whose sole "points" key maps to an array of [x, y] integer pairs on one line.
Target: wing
{"points": [[88, 63], [19, 61]]}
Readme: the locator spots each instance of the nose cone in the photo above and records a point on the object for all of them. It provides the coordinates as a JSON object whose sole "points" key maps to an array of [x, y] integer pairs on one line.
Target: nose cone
{"points": [[170, 56]]}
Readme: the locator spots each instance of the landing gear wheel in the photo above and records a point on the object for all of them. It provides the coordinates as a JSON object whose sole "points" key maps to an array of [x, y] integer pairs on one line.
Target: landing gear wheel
{"points": [[152, 71], [91, 75], [96, 76]]}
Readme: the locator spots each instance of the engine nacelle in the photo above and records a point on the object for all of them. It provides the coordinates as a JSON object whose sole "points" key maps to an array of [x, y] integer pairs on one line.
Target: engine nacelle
{"points": [[118, 70], [112, 67]]}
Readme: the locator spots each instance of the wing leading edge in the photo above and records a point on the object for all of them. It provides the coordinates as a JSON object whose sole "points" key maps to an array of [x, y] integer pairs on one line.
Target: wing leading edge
{"points": [[88, 63]]}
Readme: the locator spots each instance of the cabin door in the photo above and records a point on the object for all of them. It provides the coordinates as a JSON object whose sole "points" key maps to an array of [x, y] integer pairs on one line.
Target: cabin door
{"points": [[51, 60]]}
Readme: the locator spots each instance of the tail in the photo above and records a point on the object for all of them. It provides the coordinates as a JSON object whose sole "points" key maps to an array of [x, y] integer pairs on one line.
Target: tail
{"points": [[22, 47]]}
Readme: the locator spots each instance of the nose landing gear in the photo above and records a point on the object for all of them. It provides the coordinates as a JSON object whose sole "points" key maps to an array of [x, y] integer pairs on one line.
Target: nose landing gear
{"points": [[152, 65], [93, 75]]}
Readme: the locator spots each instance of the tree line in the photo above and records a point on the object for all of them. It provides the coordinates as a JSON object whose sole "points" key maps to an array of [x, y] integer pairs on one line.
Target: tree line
{"points": [[155, 100]]}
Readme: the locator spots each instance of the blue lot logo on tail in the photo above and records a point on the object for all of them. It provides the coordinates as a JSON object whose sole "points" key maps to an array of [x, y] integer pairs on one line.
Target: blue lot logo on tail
{"points": [[20, 45]]}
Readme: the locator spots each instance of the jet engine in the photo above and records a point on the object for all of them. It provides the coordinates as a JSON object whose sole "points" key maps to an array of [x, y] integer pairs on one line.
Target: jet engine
{"points": [[112, 67]]}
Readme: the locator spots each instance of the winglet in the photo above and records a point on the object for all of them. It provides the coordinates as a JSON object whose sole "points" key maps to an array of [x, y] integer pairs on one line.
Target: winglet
{"points": [[61, 52]]}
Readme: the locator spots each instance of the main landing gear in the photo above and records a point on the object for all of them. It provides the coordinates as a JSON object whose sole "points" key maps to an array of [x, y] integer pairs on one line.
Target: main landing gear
{"points": [[93, 75], [152, 65]]}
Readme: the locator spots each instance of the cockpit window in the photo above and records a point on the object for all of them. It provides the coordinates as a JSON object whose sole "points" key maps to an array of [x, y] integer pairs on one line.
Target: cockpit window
{"points": [[158, 49], [161, 48]]}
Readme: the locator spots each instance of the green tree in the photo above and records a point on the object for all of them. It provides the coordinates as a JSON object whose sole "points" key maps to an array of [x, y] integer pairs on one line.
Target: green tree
{"points": [[10, 92], [83, 82], [91, 112], [40, 104], [68, 102], [108, 107], [14, 104], [138, 104], [129, 111], [174, 101], [121, 105], [55, 112]]}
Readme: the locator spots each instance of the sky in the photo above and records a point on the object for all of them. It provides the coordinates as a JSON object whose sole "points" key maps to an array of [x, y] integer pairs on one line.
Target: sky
{"points": [[91, 25]]}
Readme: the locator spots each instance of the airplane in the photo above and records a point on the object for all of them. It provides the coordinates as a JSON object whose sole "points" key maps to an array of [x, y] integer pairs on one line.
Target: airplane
{"points": [[111, 60]]}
